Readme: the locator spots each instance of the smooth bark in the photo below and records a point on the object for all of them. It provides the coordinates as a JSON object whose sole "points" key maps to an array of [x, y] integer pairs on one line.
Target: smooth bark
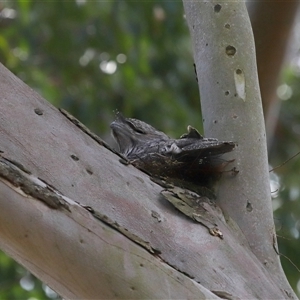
{"points": [[78, 255], [224, 54]]}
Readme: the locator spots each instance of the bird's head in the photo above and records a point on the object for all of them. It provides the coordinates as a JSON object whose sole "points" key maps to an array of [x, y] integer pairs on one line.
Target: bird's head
{"points": [[131, 134]]}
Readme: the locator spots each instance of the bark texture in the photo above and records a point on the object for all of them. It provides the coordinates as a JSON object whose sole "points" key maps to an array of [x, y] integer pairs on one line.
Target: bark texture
{"points": [[79, 256], [147, 250], [91, 227], [224, 54]]}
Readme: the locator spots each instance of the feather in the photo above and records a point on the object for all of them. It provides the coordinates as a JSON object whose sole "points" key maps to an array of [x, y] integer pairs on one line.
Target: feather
{"points": [[191, 158]]}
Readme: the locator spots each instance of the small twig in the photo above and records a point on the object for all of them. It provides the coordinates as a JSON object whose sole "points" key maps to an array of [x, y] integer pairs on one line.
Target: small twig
{"points": [[282, 237], [285, 162], [293, 264], [280, 254]]}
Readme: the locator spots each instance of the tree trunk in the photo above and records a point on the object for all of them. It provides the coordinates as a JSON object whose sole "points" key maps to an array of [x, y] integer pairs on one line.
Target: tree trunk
{"points": [[93, 228], [272, 24], [224, 54], [232, 110]]}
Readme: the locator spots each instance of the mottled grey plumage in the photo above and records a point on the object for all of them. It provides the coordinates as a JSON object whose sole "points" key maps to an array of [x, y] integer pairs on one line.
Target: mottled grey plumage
{"points": [[191, 157]]}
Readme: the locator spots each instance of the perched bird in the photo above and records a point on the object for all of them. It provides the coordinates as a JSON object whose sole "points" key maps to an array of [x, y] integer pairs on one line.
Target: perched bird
{"points": [[191, 158]]}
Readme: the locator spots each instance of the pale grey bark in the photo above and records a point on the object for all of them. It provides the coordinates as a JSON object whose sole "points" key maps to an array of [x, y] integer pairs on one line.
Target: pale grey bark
{"points": [[155, 252], [224, 54], [149, 250], [76, 254]]}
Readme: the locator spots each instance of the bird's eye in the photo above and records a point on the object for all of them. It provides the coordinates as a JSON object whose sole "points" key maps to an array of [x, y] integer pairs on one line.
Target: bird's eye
{"points": [[138, 130]]}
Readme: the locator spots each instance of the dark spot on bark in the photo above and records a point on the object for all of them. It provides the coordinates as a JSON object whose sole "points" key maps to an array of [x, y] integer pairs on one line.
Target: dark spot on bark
{"points": [[226, 93], [230, 50], [234, 171], [81, 241], [74, 157], [227, 26], [156, 215], [38, 111], [234, 116], [89, 171], [235, 94], [215, 121], [217, 8], [249, 206], [141, 265], [238, 71], [289, 294], [132, 288]]}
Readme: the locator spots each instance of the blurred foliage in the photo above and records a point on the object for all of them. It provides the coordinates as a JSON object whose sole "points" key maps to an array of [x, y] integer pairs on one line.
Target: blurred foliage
{"points": [[95, 57], [17, 283], [286, 144]]}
